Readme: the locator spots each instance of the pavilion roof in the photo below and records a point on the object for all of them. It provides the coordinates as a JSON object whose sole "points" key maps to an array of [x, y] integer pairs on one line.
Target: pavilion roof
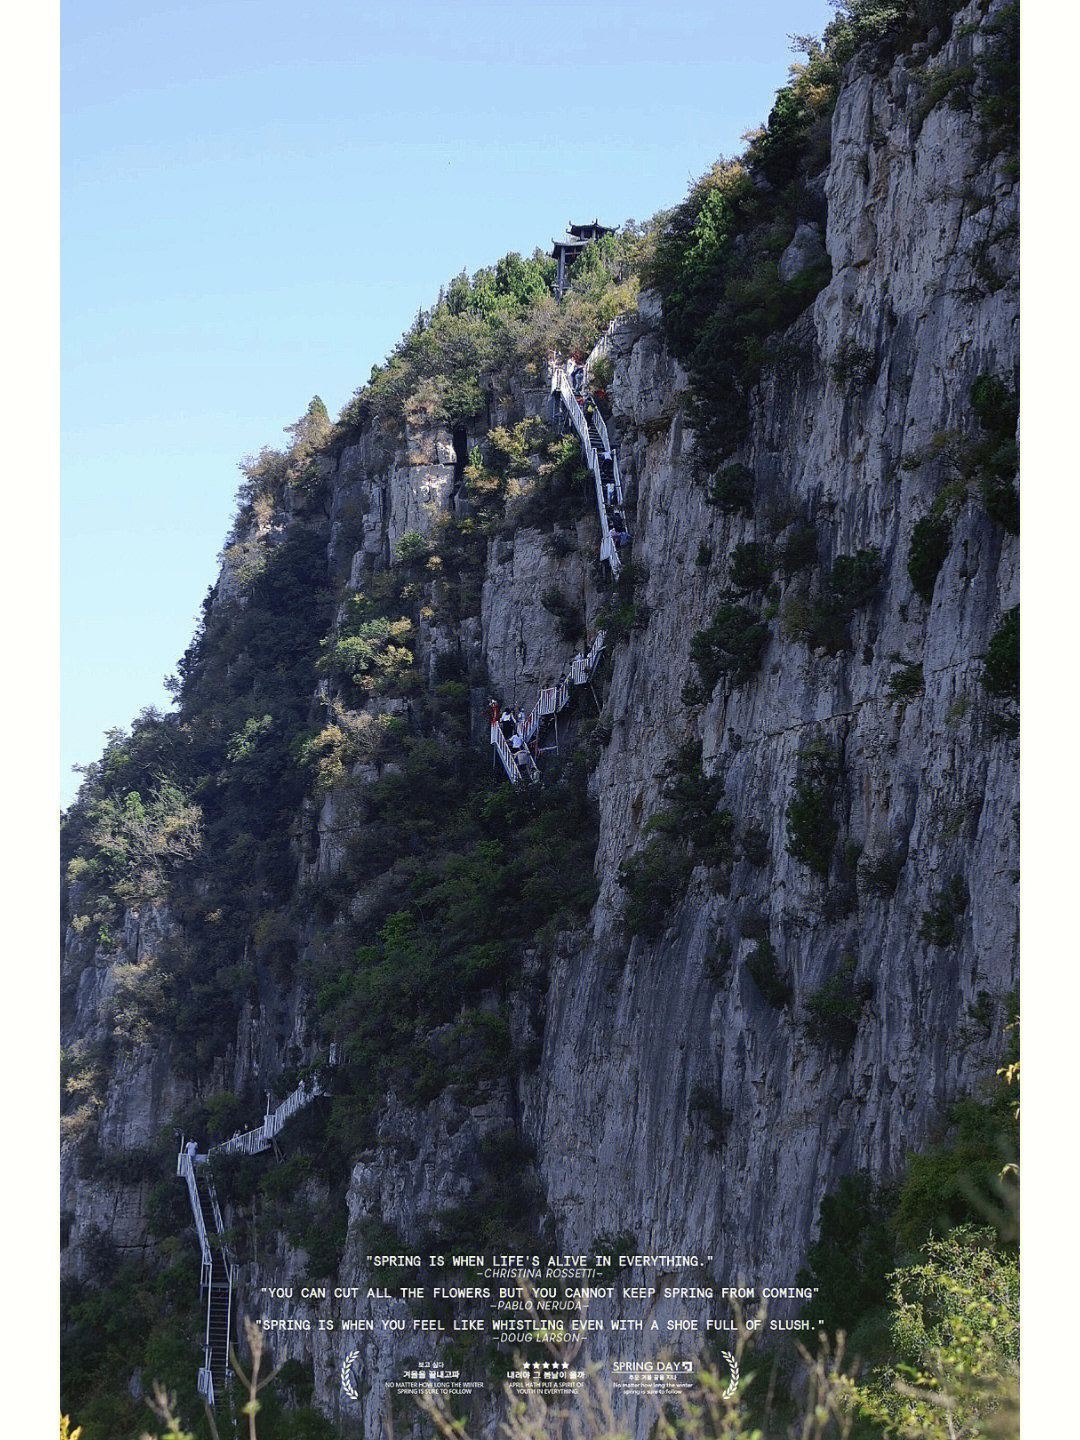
{"points": [[579, 230]]}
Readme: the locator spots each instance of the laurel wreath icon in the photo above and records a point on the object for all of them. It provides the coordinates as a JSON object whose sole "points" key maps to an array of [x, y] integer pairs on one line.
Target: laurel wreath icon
{"points": [[346, 1377], [733, 1366]]}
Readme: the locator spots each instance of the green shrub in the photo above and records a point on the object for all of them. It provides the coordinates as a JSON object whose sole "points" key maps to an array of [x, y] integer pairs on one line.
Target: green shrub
{"points": [[1002, 500], [854, 366], [762, 967], [732, 489], [541, 480], [374, 657], [691, 812], [907, 682], [704, 1103], [881, 873], [941, 923], [755, 846], [947, 82], [832, 1013], [960, 1180], [624, 611], [824, 623], [865, 1232], [502, 320], [503, 1203], [323, 1240], [850, 1261], [654, 877], [750, 567], [989, 460], [999, 67], [601, 372], [330, 754], [134, 843], [1001, 664], [715, 264], [690, 829], [813, 622], [571, 624], [501, 871], [996, 405], [955, 1329], [732, 646], [854, 580], [717, 963], [799, 550], [715, 257], [930, 542], [812, 830], [412, 548], [994, 460]]}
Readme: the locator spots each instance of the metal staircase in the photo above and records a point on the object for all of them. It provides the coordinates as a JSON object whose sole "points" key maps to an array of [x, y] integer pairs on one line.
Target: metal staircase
{"points": [[602, 461], [251, 1142], [216, 1280], [218, 1271], [519, 762], [567, 384]]}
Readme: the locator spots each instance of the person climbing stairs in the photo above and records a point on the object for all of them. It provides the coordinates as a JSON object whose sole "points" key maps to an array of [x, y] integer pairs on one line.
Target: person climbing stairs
{"points": [[584, 415], [216, 1282], [218, 1271], [518, 759], [252, 1142]]}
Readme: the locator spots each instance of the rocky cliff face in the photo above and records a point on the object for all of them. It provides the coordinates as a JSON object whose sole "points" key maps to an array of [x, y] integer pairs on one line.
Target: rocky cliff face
{"points": [[927, 778], [850, 432]]}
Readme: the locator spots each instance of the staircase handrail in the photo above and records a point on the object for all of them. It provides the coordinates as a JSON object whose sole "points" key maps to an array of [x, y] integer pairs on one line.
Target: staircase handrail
{"points": [[617, 481], [577, 415], [219, 1225], [227, 1265], [609, 454], [550, 701], [602, 345], [602, 431], [505, 754], [254, 1140], [608, 551], [251, 1142], [186, 1169]]}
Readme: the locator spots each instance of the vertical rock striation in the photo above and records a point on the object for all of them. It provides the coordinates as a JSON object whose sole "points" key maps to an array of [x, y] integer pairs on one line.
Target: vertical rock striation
{"points": [[852, 429]]}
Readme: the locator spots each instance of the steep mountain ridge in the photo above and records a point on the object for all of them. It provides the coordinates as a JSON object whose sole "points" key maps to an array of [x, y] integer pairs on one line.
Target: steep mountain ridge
{"points": [[804, 995]]}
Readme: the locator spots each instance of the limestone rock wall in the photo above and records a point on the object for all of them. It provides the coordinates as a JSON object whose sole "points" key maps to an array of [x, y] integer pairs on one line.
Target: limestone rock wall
{"points": [[632, 1033], [917, 218]]}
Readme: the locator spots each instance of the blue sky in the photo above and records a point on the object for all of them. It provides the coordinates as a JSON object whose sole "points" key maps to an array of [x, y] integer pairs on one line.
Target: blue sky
{"points": [[257, 198]]}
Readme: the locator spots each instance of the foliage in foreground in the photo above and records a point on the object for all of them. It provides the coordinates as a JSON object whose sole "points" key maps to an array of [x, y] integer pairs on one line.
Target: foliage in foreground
{"points": [[953, 1323], [955, 1330], [198, 804], [926, 1288]]}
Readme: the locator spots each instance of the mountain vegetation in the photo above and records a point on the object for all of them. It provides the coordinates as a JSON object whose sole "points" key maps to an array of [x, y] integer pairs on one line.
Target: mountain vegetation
{"points": [[312, 703]]}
